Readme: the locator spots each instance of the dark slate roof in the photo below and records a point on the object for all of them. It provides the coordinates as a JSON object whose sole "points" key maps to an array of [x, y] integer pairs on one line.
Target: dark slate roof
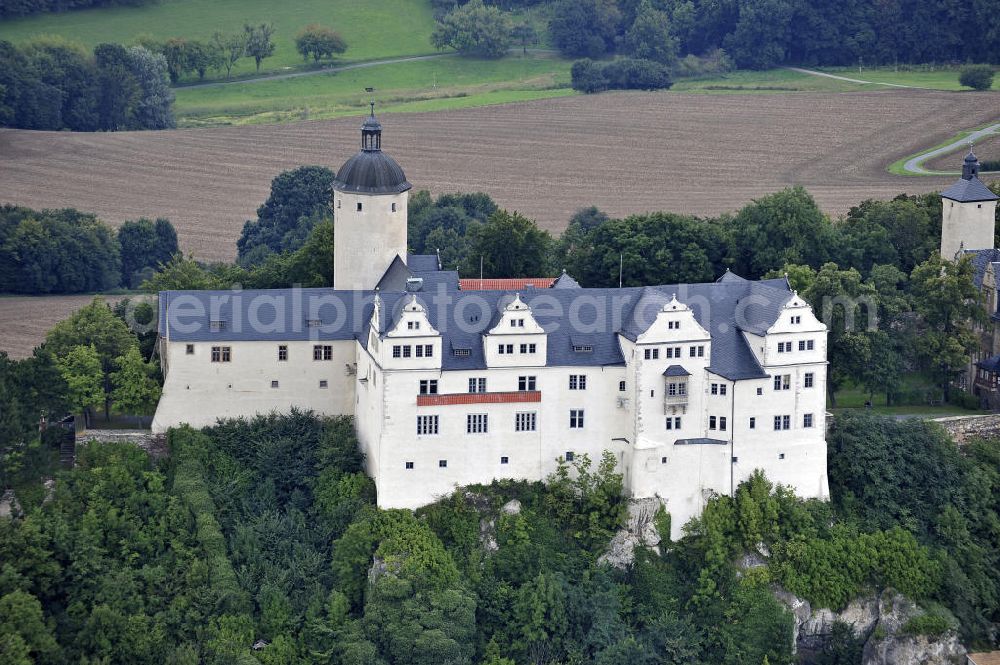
{"points": [[990, 364], [700, 441], [422, 262], [676, 370], [371, 172], [980, 259], [395, 276], [969, 191], [464, 316], [564, 281]]}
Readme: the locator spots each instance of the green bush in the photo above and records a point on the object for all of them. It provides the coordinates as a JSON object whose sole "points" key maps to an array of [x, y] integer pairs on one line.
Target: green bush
{"points": [[977, 77], [927, 624]]}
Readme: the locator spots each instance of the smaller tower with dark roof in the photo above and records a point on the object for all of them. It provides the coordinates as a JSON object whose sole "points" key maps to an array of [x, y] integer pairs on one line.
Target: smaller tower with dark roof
{"points": [[370, 195], [967, 212]]}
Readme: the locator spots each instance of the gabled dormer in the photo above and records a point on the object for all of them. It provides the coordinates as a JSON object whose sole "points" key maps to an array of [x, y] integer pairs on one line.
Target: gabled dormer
{"points": [[673, 334], [796, 336], [409, 341], [516, 339]]}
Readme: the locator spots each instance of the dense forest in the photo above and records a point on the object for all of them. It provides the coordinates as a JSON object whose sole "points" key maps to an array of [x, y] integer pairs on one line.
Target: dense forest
{"points": [[758, 34], [258, 542], [10, 8], [67, 251], [51, 83]]}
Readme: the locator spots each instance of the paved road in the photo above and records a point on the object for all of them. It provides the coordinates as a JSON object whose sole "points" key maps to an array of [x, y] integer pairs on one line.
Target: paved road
{"points": [[914, 165], [813, 72]]}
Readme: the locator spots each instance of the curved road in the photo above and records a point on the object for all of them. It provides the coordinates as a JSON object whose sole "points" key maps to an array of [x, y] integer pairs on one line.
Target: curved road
{"points": [[914, 165]]}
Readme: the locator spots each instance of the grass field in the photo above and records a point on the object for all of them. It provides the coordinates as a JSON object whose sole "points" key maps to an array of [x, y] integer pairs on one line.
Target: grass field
{"points": [[772, 81], [374, 29], [941, 78], [450, 82]]}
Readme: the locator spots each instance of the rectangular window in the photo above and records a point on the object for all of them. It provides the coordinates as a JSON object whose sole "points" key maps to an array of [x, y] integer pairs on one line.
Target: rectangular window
{"points": [[796, 319], [715, 388], [577, 381], [652, 354], [722, 423], [413, 325], [394, 207], [217, 326], [786, 422], [760, 391], [282, 353], [359, 206], [427, 425], [504, 460], [808, 380], [274, 384], [576, 419], [428, 350], [777, 423], [419, 350], [701, 351], [777, 382], [397, 351], [722, 389], [569, 456], [313, 323], [525, 422], [524, 348], [810, 345], [322, 352], [807, 420], [190, 349], [525, 383], [323, 383], [442, 463], [461, 353], [711, 422], [532, 348], [407, 351], [670, 352], [221, 354], [476, 423], [583, 348], [692, 351], [753, 423], [409, 465], [477, 385], [802, 345], [428, 387], [786, 381]]}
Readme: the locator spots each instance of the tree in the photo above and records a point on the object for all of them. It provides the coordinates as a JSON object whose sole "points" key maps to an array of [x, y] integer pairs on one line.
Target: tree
{"points": [[152, 107], [119, 88], [23, 630], [93, 326], [508, 245], [318, 41], [650, 37], [81, 370], [474, 29], [298, 199], [231, 47], [201, 57], [258, 41], [145, 245], [135, 390], [948, 302], [525, 35], [175, 51], [584, 28], [977, 77]]}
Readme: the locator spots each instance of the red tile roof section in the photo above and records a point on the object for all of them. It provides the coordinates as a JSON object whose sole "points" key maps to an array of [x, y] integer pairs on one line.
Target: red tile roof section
{"points": [[505, 284], [480, 398]]}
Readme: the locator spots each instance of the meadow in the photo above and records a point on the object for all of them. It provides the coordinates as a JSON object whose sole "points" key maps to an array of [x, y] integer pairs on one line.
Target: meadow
{"points": [[445, 82], [373, 29], [926, 76]]}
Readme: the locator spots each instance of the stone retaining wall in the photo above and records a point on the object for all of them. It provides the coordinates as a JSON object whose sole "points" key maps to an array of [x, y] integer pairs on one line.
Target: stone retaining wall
{"points": [[962, 428]]}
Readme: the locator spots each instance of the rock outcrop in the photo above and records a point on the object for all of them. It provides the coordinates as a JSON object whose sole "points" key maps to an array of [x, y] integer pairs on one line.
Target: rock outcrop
{"points": [[640, 530], [877, 620]]}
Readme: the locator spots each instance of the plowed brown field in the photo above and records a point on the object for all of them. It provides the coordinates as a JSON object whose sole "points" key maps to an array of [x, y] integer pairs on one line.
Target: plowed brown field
{"points": [[24, 320], [624, 152]]}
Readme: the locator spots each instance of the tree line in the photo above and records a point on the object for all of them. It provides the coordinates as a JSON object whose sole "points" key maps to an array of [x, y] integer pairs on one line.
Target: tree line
{"points": [[12, 8], [67, 251], [258, 541], [50, 83]]}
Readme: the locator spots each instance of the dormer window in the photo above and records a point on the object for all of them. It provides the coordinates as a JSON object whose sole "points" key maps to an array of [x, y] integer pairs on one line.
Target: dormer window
{"points": [[461, 353], [583, 348], [673, 325], [313, 323], [413, 325], [517, 323], [217, 326], [796, 320]]}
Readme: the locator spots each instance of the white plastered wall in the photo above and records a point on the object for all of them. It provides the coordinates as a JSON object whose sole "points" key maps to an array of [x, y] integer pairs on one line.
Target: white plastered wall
{"points": [[366, 241]]}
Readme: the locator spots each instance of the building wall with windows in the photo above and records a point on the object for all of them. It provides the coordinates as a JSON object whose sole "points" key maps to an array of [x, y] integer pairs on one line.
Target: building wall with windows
{"points": [[249, 377]]}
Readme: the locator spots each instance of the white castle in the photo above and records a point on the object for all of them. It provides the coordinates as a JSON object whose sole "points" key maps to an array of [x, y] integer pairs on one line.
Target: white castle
{"points": [[692, 387]]}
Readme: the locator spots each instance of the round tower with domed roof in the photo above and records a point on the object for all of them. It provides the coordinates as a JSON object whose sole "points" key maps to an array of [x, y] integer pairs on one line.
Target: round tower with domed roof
{"points": [[370, 194]]}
